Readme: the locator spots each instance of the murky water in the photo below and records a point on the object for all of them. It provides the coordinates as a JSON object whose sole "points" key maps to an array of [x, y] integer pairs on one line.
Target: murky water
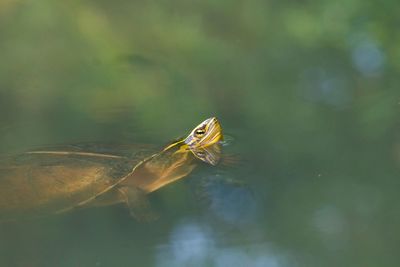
{"points": [[307, 94]]}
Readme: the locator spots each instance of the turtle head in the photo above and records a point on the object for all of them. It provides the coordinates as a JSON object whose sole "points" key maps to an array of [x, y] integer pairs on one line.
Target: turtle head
{"points": [[202, 142], [205, 134]]}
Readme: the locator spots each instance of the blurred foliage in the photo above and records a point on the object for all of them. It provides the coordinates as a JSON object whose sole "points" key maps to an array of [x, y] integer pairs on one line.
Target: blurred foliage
{"points": [[309, 90]]}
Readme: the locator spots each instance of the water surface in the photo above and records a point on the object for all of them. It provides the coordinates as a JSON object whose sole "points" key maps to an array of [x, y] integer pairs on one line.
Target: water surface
{"points": [[308, 93]]}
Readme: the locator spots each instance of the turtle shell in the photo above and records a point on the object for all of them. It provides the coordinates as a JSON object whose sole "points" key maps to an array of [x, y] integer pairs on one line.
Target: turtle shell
{"points": [[50, 181]]}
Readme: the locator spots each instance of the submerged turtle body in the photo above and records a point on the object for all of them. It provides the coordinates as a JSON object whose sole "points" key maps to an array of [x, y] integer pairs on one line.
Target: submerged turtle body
{"points": [[45, 182], [49, 182]]}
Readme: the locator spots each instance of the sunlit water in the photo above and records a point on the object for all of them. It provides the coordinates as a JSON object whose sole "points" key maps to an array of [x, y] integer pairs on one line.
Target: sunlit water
{"points": [[307, 93]]}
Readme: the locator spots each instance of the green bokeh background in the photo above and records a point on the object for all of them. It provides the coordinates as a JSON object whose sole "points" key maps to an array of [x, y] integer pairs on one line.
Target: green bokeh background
{"points": [[308, 91]]}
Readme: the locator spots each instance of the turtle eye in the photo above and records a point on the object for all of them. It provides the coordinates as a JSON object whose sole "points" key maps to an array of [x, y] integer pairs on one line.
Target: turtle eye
{"points": [[200, 132]]}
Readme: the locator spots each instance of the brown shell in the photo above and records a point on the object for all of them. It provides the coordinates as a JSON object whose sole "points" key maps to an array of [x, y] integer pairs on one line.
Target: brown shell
{"points": [[41, 183]]}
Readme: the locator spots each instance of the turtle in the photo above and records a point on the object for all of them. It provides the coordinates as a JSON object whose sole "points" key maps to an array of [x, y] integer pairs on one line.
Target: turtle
{"points": [[48, 181]]}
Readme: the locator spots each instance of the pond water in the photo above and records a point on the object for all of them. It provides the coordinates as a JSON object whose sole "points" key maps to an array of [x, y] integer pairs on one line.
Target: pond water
{"points": [[307, 95]]}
